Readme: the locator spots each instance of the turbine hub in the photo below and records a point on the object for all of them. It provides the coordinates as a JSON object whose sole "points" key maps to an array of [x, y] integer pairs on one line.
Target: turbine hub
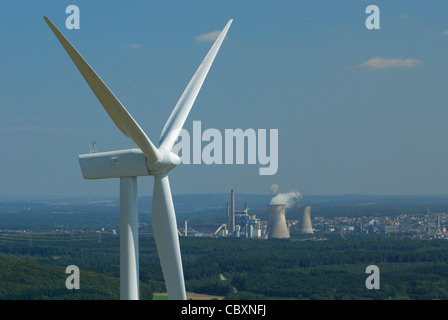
{"points": [[168, 161]]}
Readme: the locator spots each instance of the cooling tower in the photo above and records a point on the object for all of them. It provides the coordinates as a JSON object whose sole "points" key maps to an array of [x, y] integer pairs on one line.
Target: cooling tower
{"points": [[277, 227], [304, 225]]}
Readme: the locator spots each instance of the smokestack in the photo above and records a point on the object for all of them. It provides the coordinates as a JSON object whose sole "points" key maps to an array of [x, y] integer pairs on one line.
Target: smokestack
{"points": [[228, 216], [232, 228], [304, 225], [277, 227]]}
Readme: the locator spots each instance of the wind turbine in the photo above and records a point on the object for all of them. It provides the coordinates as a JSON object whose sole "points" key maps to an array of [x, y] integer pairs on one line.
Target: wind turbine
{"points": [[148, 160]]}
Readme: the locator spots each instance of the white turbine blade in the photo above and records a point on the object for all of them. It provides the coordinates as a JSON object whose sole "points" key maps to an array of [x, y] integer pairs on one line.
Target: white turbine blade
{"points": [[180, 113], [113, 107], [164, 226]]}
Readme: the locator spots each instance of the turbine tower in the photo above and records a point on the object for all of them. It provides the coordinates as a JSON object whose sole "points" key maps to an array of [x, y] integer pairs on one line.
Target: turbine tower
{"points": [[148, 160]]}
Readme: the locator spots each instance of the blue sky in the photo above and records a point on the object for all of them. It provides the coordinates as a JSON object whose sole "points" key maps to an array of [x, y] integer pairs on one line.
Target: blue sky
{"points": [[358, 111]]}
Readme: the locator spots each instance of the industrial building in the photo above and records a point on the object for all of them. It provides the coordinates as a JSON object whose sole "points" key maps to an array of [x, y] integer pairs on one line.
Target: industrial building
{"points": [[240, 223]]}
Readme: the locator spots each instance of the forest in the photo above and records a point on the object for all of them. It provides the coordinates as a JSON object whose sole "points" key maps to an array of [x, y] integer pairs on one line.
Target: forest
{"points": [[32, 266]]}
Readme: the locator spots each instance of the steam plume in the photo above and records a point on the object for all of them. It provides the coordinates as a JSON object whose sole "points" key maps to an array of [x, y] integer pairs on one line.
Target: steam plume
{"points": [[288, 198]]}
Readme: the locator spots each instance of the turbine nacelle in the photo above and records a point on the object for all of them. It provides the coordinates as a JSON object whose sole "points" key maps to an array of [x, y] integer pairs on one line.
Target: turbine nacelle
{"points": [[113, 164], [125, 163]]}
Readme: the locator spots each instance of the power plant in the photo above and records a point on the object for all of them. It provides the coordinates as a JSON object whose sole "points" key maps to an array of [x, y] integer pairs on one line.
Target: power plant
{"points": [[277, 227], [241, 224], [304, 225]]}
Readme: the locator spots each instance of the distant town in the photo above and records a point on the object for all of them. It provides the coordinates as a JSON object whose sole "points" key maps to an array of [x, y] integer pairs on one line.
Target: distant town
{"points": [[221, 216], [411, 226]]}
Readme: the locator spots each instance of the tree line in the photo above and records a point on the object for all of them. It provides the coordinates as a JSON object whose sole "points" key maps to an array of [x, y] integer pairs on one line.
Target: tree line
{"points": [[229, 267]]}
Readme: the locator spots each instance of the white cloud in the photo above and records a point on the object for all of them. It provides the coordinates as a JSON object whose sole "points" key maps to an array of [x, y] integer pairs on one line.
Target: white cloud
{"points": [[211, 36], [384, 63], [134, 46]]}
